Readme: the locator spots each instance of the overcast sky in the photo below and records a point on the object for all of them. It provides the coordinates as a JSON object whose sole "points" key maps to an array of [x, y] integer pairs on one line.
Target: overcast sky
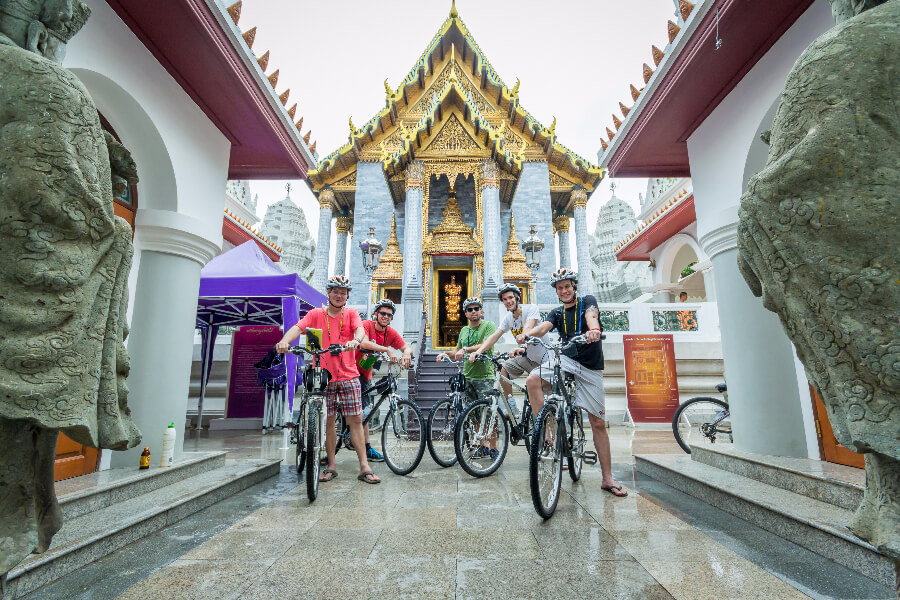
{"points": [[575, 59]]}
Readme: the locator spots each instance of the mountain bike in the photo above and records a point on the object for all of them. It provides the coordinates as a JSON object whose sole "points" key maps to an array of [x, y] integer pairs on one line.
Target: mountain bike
{"points": [[442, 417], [702, 417], [402, 428], [490, 421], [558, 434]]}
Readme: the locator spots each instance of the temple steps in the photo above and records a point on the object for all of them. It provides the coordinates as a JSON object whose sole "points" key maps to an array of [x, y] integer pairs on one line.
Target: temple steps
{"points": [[806, 502], [108, 510]]}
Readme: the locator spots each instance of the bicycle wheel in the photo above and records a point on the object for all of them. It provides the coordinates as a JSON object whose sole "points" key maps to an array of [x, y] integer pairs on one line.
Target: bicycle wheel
{"points": [[402, 439], [576, 442], [545, 463], [300, 439], [701, 418], [526, 425], [441, 420], [340, 428], [314, 442], [479, 424]]}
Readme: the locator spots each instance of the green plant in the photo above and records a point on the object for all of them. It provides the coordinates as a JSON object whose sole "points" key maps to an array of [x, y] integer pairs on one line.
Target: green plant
{"points": [[688, 270]]}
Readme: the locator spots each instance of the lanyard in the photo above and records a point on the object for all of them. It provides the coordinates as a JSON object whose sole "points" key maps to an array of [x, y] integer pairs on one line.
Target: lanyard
{"points": [[328, 326], [473, 333], [577, 318]]}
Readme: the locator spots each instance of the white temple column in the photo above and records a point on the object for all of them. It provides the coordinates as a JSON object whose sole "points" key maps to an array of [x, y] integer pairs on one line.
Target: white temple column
{"points": [[561, 226], [413, 288], [161, 339], [585, 275], [493, 257], [759, 360], [343, 226], [323, 243]]}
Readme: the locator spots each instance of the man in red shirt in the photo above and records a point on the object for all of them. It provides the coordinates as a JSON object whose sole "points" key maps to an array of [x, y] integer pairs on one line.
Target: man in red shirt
{"points": [[380, 337], [339, 325]]}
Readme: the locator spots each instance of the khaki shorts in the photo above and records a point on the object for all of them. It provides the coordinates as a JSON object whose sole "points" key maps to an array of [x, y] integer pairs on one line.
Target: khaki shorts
{"points": [[589, 393], [519, 366]]}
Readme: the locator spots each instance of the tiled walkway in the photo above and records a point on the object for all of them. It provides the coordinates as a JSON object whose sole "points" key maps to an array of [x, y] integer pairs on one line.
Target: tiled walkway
{"points": [[442, 534]]}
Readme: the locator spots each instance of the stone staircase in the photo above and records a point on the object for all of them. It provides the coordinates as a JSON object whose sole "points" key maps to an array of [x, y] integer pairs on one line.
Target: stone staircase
{"points": [[432, 380], [804, 501], [105, 511]]}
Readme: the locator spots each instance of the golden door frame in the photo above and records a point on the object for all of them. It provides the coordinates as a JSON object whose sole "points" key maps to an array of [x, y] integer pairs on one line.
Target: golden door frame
{"points": [[470, 286]]}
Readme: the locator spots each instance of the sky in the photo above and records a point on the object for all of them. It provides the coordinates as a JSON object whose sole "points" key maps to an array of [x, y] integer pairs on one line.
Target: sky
{"points": [[575, 60]]}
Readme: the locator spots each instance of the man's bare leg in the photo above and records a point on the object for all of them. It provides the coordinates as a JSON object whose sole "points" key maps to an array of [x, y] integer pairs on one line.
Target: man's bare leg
{"points": [[604, 455], [535, 387], [504, 384], [356, 436]]}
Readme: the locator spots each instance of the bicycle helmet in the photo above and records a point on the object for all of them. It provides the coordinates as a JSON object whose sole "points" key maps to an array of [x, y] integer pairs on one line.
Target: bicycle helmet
{"points": [[563, 274], [339, 281], [470, 301], [385, 303], [509, 287]]}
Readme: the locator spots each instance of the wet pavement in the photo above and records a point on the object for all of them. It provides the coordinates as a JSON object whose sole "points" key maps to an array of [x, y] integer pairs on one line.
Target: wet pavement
{"points": [[439, 533]]}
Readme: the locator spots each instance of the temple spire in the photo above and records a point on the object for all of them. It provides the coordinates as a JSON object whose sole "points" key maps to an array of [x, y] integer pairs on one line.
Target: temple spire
{"points": [[453, 12]]}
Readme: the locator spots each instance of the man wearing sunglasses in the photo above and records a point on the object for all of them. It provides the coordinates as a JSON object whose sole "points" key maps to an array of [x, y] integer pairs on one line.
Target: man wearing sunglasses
{"points": [[380, 337]]}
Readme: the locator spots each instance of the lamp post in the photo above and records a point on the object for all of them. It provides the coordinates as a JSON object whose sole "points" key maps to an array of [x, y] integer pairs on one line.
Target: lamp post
{"points": [[371, 249], [532, 247]]}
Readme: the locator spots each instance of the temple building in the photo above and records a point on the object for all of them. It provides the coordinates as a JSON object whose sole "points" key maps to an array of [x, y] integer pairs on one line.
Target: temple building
{"points": [[285, 224], [456, 164], [615, 281]]}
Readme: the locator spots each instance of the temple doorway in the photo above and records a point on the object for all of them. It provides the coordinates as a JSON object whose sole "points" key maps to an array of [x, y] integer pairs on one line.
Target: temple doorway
{"points": [[452, 287]]}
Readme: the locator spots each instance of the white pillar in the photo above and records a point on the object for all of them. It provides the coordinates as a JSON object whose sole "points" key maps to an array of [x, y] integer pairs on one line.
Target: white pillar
{"points": [[493, 257], [161, 339], [413, 287], [561, 225], [585, 276], [759, 359], [323, 243], [343, 226]]}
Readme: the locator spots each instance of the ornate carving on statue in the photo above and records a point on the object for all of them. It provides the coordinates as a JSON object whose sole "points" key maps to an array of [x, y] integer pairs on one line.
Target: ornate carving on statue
{"points": [[415, 174], [579, 197], [326, 199], [452, 235], [817, 239], [489, 174], [453, 139], [452, 291], [343, 224], [391, 264], [561, 224], [64, 273], [515, 267]]}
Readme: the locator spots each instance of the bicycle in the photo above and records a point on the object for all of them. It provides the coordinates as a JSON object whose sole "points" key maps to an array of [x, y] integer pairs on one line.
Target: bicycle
{"points": [[442, 417], [558, 434], [702, 416], [402, 442], [308, 431], [486, 419]]}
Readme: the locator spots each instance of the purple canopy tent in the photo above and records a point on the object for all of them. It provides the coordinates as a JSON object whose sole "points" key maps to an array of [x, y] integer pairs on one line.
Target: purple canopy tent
{"points": [[244, 287]]}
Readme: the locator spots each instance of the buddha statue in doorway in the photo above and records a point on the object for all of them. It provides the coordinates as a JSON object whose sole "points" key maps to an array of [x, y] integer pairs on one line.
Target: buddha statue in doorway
{"points": [[452, 292]]}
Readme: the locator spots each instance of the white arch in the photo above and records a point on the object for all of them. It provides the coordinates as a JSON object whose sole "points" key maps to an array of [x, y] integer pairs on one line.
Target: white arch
{"points": [[157, 188], [670, 250]]}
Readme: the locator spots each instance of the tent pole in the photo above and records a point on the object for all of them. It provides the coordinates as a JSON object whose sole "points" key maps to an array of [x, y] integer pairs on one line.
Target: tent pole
{"points": [[206, 360]]}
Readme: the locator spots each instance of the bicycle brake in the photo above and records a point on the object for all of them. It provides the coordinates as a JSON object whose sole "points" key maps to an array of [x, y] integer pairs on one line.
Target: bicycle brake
{"points": [[589, 457]]}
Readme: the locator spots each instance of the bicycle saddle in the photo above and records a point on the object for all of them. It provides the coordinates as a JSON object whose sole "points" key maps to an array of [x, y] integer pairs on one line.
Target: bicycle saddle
{"points": [[722, 388]]}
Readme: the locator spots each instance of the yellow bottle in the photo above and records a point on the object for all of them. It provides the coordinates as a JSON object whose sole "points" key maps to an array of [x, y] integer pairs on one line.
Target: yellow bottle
{"points": [[145, 458]]}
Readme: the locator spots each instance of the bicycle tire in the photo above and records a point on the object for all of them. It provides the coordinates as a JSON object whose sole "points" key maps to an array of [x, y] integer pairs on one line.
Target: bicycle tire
{"points": [[299, 429], [527, 426], [680, 411], [576, 443], [545, 507], [313, 443], [410, 426], [463, 441], [340, 428], [443, 413]]}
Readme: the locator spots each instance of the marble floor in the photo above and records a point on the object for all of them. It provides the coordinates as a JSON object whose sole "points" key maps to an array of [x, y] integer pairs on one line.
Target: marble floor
{"points": [[439, 533]]}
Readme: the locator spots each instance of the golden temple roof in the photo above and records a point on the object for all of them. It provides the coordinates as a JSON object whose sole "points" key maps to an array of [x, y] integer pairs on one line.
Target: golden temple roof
{"points": [[452, 235], [391, 264], [515, 267]]}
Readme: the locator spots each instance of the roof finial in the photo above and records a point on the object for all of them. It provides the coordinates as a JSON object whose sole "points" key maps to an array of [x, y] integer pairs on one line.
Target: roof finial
{"points": [[453, 12], [515, 90], [552, 130], [352, 126], [287, 188], [612, 187], [387, 88]]}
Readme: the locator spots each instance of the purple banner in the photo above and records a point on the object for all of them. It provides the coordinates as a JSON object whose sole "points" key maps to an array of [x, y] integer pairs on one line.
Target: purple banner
{"points": [[249, 345]]}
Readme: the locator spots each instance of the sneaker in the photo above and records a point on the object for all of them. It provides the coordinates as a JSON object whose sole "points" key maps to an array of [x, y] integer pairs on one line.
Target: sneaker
{"points": [[374, 455], [495, 454], [565, 465], [481, 452]]}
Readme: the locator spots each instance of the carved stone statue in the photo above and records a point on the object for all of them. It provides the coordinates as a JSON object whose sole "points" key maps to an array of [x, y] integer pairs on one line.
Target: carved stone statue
{"points": [[63, 272], [819, 240]]}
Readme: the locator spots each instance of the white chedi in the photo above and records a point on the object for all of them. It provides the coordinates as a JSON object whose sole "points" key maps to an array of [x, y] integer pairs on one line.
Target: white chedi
{"points": [[615, 281], [285, 225]]}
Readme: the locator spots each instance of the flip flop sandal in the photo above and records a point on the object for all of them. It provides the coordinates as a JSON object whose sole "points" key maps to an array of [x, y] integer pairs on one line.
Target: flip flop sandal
{"points": [[365, 477], [323, 479], [613, 489]]}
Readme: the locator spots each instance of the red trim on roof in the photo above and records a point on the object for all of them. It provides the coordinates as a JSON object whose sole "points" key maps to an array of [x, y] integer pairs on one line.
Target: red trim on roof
{"points": [[237, 235], [189, 43], [698, 80], [663, 227]]}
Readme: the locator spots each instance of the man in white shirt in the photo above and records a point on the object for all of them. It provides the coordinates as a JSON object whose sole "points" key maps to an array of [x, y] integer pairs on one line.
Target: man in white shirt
{"points": [[519, 318]]}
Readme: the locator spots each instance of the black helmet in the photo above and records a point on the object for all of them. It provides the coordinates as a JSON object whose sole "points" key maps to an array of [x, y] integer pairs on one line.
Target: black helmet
{"points": [[510, 287], [470, 301], [339, 281], [386, 303], [563, 274]]}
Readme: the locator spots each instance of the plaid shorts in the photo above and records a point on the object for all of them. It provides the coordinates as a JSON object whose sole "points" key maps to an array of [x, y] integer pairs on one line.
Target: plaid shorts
{"points": [[346, 394]]}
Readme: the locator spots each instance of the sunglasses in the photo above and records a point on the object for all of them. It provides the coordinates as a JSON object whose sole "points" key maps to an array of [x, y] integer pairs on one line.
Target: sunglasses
{"points": [[473, 308], [381, 313]]}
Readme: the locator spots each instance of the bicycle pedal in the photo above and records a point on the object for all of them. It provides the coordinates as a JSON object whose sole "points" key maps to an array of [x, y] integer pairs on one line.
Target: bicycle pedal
{"points": [[589, 457]]}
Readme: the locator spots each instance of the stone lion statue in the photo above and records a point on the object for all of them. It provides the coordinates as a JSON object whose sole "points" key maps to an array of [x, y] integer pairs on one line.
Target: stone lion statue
{"points": [[819, 240], [63, 273]]}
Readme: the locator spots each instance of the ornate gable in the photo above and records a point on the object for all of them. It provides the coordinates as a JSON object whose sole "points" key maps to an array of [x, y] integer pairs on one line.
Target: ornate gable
{"points": [[453, 139]]}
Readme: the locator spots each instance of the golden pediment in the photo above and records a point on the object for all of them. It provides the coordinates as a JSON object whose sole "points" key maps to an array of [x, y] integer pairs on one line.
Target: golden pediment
{"points": [[452, 235], [453, 139]]}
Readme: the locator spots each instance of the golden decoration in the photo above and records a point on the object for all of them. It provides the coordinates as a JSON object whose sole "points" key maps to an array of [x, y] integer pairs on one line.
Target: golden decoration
{"points": [[685, 8], [284, 96], [625, 110], [648, 72], [561, 223], [343, 224], [556, 181], [616, 122], [452, 235], [657, 55], [299, 125], [273, 78], [673, 30], [453, 12], [452, 139], [515, 90], [312, 148], [234, 11], [263, 61], [326, 199], [345, 184], [603, 144], [635, 93], [515, 267], [307, 136], [579, 197], [249, 36], [292, 111], [453, 291], [610, 134], [352, 126], [391, 264]]}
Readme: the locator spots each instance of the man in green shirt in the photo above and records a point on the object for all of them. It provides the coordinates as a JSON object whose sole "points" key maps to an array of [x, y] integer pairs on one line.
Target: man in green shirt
{"points": [[480, 374]]}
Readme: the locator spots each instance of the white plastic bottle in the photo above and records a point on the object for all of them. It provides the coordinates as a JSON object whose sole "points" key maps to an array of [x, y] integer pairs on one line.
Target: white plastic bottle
{"points": [[167, 456]]}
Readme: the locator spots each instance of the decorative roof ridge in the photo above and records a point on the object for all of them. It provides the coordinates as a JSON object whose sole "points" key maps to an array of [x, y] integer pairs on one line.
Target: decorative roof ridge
{"points": [[675, 201], [244, 225]]}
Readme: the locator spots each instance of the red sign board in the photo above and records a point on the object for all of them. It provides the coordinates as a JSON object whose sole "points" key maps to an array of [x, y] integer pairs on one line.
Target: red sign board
{"points": [[249, 345], [651, 382]]}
